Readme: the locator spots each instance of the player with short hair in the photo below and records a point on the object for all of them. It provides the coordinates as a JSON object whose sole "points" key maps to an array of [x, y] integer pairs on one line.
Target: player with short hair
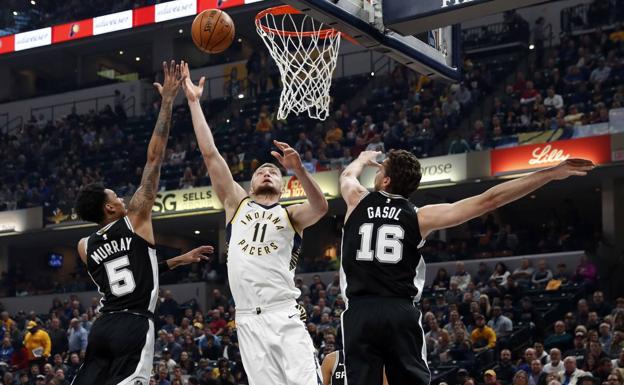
{"points": [[263, 247], [382, 272], [121, 260]]}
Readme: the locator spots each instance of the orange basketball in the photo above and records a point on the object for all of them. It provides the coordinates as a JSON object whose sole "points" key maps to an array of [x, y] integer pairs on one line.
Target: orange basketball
{"points": [[213, 31]]}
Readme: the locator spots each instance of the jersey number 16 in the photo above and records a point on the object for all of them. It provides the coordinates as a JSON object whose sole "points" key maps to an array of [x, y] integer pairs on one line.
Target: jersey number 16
{"points": [[388, 245]]}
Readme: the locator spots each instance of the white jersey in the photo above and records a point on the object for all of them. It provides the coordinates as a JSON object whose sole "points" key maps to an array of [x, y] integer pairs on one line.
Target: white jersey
{"points": [[263, 249]]}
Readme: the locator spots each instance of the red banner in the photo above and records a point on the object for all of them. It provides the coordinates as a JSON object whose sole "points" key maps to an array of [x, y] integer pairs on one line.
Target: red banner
{"points": [[522, 158], [7, 44], [202, 5], [143, 16], [71, 31]]}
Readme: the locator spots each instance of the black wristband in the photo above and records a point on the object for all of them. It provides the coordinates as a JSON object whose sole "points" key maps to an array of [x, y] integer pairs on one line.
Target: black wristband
{"points": [[163, 267]]}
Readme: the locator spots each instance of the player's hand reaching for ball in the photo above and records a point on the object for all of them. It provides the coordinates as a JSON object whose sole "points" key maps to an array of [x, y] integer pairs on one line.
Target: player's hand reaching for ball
{"points": [[194, 256], [570, 167], [172, 82], [193, 92], [369, 158], [289, 158]]}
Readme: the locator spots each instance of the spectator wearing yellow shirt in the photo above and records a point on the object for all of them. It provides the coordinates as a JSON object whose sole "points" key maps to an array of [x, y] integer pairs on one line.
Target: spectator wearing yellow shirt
{"points": [[8, 323], [334, 134], [483, 337], [37, 343]]}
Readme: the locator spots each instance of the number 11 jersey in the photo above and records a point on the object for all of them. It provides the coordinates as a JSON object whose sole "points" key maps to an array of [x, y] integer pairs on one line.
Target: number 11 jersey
{"points": [[124, 268], [263, 250], [380, 242]]}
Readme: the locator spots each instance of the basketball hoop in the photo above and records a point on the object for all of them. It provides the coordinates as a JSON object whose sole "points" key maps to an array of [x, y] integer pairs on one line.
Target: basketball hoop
{"points": [[306, 53]]}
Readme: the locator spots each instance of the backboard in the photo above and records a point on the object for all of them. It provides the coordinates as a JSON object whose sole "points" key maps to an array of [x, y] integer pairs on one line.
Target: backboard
{"points": [[391, 27]]}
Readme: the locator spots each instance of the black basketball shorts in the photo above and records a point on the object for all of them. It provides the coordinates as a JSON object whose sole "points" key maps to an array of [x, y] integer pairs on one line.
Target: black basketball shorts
{"points": [[120, 351], [383, 333]]}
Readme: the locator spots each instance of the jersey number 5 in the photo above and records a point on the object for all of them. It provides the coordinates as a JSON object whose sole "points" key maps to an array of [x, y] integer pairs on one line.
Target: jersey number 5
{"points": [[120, 278], [389, 248]]}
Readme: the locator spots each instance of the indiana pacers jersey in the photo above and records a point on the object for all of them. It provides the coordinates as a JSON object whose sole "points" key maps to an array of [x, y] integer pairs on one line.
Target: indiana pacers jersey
{"points": [[263, 250], [124, 267]]}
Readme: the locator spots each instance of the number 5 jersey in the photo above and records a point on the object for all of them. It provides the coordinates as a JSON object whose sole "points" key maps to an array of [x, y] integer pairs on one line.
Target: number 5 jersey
{"points": [[124, 268], [263, 250]]}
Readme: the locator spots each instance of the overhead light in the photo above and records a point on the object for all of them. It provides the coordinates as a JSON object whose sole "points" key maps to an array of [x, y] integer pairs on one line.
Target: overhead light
{"points": [[531, 46], [137, 58], [121, 52], [240, 40], [240, 96], [227, 120], [33, 2], [180, 31], [14, 13], [197, 232], [372, 73]]}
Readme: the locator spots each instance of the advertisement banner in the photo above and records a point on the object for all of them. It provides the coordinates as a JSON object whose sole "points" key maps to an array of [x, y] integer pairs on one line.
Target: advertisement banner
{"points": [[450, 168], [20, 220], [113, 22], [198, 198], [175, 10], [535, 156], [143, 16], [203, 5], [32, 39], [72, 31]]}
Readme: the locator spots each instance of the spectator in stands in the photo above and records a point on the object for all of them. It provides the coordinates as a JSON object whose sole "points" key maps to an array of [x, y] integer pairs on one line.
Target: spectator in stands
{"points": [[540, 353], [562, 273], [6, 351], [500, 275], [542, 275], [522, 275], [37, 342], [529, 356], [571, 374], [618, 363], [489, 378], [482, 277], [502, 326], [309, 162], [537, 375], [578, 351], [599, 305], [582, 311], [605, 367], [520, 378], [441, 281], [601, 73], [616, 345], [560, 339], [505, 370], [334, 133], [614, 379], [461, 276], [461, 349], [58, 337], [77, 338], [458, 145], [483, 338], [556, 364], [188, 180], [303, 143]]}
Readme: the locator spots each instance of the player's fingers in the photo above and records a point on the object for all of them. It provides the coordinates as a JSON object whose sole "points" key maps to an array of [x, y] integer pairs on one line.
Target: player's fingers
{"points": [[277, 156], [579, 173], [158, 87], [204, 249], [202, 80], [172, 67], [204, 258], [165, 68]]}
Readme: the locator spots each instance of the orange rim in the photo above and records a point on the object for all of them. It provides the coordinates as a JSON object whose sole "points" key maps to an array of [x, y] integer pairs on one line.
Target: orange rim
{"points": [[288, 10]]}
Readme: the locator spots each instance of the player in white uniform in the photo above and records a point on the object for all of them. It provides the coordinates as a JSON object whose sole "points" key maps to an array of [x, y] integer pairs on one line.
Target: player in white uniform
{"points": [[263, 248]]}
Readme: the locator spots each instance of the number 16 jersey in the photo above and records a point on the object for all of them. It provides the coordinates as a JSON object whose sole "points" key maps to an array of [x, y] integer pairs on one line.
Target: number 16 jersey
{"points": [[124, 268], [263, 250], [380, 242]]}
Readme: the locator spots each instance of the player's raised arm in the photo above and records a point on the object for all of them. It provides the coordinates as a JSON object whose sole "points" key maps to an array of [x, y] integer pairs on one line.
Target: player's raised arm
{"points": [[350, 187], [140, 208], [305, 214], [228, 191], [328, 366], [436, 217]]}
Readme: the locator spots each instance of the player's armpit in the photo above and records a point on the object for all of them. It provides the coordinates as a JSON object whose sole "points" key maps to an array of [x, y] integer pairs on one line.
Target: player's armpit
{"points": [[304, 215], [352, 191], [228, 191]]}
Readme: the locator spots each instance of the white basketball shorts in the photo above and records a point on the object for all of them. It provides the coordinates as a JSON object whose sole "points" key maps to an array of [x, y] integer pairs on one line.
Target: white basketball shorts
{"points": [[275, 346]]}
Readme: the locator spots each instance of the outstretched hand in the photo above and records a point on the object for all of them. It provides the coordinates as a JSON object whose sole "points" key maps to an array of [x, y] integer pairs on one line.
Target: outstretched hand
{"points": [[172, 82], [195, 255], [289, 158], [574, 166], [193, 92]]}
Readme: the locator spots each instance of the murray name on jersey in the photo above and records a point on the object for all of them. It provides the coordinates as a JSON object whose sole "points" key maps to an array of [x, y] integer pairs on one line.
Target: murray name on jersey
{"points": [[255, 224], [111, 248]]}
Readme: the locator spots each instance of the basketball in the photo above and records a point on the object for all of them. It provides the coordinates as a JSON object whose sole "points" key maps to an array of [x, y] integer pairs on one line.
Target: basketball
{"points": [[213, 31]]}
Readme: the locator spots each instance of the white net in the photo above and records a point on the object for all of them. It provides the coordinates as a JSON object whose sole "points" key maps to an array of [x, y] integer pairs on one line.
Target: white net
{"points": [[305, 52]]}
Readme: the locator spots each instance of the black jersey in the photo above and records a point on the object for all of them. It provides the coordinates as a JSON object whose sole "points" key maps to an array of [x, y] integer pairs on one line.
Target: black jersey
{"points": [[338, 372], [380, 243], [124, 267]]}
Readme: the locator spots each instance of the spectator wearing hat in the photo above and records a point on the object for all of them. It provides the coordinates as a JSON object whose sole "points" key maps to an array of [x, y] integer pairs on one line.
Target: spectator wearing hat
{"points": [[483, 339], [167, 360], [37, 342], [505, 369], [489, 378], [560, 339], [571, 374], [40, 379]]}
